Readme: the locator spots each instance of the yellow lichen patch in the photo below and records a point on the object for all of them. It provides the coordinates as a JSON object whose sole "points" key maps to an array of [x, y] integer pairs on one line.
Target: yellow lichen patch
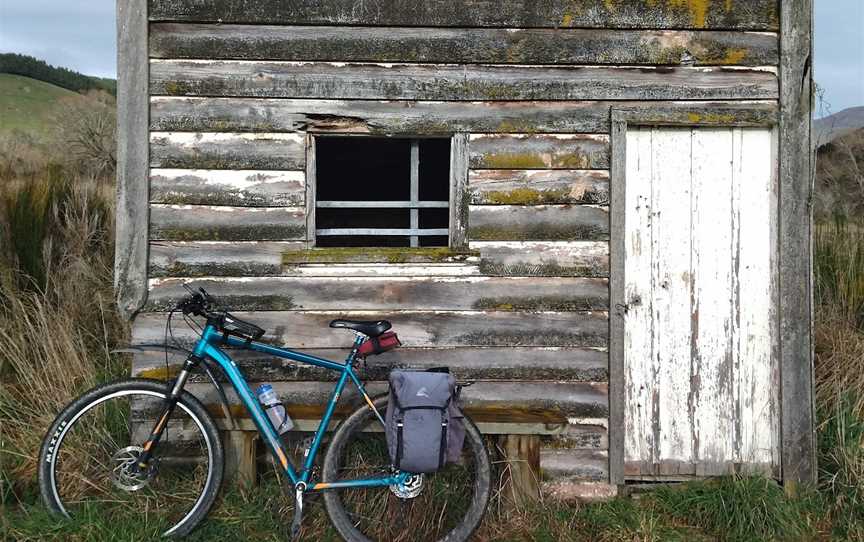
{"points": [[695, 118], [698, 10], [734, 56], [159, 373], [514, 161], [567, 20], [610, 5]]}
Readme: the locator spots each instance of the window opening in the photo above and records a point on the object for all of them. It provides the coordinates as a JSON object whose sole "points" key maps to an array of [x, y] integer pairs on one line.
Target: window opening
{"points": [[374, 191]]}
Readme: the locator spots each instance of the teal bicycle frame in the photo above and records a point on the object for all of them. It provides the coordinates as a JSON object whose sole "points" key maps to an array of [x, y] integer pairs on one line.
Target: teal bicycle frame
{"points": [[206, 348]]}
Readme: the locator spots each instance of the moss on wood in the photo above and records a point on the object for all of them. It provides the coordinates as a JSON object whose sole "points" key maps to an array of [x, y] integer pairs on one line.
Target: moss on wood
{"points": [[541, 303], [539, 232], [524, 269], [229, 233], [376, 255]]}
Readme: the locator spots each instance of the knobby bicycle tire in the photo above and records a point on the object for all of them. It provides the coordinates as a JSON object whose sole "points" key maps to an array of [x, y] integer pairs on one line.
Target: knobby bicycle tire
{"points": [[52, 445], [348, 433]]}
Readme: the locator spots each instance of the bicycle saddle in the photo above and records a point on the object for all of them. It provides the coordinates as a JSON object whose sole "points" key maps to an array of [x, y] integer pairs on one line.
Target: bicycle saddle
{"points": [[372, 329]]}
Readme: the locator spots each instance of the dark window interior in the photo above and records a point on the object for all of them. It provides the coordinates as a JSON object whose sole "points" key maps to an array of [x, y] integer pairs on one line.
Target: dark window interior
{"points": [[370, 169]]}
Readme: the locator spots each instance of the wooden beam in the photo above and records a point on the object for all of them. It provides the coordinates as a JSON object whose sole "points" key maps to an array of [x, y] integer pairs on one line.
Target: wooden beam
{"points": [[532, 151], [480, 363], [796, 279], [533, 187], [227, 151], [520, 471], [212, 223], [417, 329], [130, 252], [239, 188], [338, 80], [241, 457], [410, 117], [214, 259], [711, 14], [538, 223], [544, 258], [462, 45], [391, 293], [459, 157]]}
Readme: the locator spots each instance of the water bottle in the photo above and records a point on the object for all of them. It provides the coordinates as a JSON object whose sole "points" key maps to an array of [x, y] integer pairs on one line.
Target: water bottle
{"points": [[274, 408]]}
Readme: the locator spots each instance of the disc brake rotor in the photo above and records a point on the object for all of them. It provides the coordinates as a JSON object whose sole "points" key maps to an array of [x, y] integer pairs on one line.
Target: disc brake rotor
{"points": [[125, 473], [410, 488]]}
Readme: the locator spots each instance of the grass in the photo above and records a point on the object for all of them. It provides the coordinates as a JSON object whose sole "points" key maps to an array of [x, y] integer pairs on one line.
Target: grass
{"points": [[29, 105], [58, 325]]}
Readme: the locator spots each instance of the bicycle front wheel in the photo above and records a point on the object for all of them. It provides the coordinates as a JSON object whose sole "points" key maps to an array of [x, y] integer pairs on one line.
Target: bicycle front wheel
{"points": [[445, 505], [89, 458]]}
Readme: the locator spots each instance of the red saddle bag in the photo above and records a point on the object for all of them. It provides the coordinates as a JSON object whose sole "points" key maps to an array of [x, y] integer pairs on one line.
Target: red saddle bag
{"points": [[382, 343]]}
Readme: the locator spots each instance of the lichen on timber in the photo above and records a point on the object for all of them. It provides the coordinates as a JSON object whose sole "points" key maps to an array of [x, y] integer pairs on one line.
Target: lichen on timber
{"points": [[392, 255]]}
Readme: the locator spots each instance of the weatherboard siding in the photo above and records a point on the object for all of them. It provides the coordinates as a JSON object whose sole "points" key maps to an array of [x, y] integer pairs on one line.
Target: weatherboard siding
{"points": [[236, 89]]}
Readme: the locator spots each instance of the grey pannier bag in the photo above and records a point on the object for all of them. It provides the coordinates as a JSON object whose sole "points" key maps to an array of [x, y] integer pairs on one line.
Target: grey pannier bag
{"points": [[423, 426]]}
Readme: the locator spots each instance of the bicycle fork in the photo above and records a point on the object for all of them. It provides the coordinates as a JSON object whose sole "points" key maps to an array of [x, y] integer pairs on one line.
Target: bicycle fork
{"points": [[168, 408]]}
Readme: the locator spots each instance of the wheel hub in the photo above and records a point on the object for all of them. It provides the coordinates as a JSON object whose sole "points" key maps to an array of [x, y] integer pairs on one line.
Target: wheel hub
{"points": [[410, 488], [125, 472]]}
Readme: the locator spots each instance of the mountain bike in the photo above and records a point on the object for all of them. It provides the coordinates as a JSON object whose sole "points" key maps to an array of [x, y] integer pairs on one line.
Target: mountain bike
{"points": [[151, 448]]}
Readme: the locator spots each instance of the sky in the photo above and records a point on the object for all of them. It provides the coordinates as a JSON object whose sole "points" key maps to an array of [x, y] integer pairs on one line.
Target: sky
{"points": [[80, 34]]}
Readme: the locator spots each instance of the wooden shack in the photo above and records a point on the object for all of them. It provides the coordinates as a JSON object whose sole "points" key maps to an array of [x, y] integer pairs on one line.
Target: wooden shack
{"points": [[597, 209]]}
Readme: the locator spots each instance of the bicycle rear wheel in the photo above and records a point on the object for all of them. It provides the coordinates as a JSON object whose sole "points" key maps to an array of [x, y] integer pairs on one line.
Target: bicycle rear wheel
{"points": [[88, 460], [449, 504]]}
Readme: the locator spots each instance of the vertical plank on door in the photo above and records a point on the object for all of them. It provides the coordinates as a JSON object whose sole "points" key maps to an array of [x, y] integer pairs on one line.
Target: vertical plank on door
{"points": [[712, 302], [638, 369], [753, 179], [670, 231]]}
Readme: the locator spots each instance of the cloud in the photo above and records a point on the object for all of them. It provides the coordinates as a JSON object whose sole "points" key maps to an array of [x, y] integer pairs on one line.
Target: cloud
{"points": [[75, 34]]}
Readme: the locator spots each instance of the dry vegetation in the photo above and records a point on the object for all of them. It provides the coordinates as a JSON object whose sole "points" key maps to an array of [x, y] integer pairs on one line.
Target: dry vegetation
{"points": [[58, 326]]}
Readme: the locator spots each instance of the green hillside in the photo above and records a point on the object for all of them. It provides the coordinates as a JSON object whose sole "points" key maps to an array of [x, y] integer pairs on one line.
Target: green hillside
{"points": [[27, 104]]}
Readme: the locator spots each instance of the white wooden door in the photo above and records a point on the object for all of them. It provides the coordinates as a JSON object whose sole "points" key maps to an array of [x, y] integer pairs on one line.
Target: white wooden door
{"points": [[700, 334]]}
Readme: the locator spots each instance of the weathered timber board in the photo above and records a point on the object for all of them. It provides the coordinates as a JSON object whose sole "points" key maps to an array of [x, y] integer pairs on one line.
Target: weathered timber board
{"points": [[533, 187], [546, 151], [452, 82], [130, 250], [410, 117], [299, 329], [581, 434], [482, 363], [514, 402], [461, 45], [391, 293], [391, 255], [212, 223], [538, 223], [227, 151], [216, 259], [567, 464], [712, 14], [544, 258], [249, 188]]}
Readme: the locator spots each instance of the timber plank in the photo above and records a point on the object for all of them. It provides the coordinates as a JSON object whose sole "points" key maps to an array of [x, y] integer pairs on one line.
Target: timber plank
{"points": [[556, 464], [486, 363], [538, 151], [795, 247], [461, 45], [227, 151], [249, 188], [337, 80], [411, 117], [216, 259], [538, 223], [130, 251], [391, 293], [532, 187], [711, 14], [213, 223], [309, 329], [544, 258], [514, 402]]}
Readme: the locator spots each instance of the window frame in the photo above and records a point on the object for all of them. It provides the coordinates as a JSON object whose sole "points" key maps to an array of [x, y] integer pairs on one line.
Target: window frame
{"points": [[456, 203]]}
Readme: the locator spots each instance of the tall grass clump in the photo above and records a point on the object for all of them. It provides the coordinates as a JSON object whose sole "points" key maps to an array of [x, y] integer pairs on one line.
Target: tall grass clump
{"points": [[838, 262], [57, 318]]}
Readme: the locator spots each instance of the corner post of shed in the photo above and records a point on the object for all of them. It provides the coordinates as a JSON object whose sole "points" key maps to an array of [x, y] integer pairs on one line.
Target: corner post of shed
{"points": [[133, 157], [796, 281]]}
